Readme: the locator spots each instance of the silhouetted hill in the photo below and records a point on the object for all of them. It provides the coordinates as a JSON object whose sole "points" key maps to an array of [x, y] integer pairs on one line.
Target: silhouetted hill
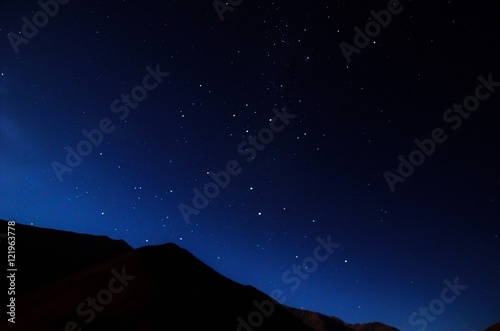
{"points": [[322, 322], [494, 327], [45, 255], [152, 288], [69, 281]]}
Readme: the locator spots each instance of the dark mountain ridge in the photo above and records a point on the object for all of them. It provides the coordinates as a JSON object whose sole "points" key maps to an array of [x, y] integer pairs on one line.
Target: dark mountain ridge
{"points": [[71, 281], [54, 254]]}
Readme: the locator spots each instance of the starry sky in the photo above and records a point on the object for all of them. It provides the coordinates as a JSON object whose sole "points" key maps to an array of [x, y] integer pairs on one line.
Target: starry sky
{"points": [[302, 121]]}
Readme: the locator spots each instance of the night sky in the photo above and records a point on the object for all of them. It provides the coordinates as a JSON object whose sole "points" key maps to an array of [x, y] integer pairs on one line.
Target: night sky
{"points": [[161, 97]]}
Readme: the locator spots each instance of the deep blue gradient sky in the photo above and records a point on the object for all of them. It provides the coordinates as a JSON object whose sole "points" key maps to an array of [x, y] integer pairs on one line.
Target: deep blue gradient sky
{"points": [[322, 175]]}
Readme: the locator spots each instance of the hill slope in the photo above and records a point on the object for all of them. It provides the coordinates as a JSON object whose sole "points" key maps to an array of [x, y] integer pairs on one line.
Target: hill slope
{"points": [[71, 281]]}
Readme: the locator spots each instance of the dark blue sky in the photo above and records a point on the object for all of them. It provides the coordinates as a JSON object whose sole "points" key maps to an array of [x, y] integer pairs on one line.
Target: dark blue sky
{"points": [[323, 174]]}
